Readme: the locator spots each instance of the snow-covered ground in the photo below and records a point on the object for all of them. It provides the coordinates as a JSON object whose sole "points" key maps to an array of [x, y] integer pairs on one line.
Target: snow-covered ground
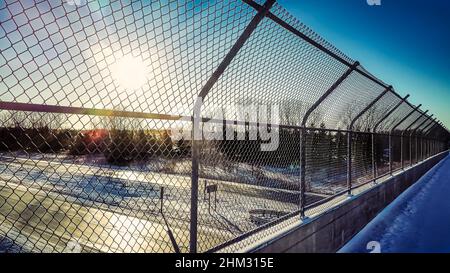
{"points": [[417, 221], [108, 208], [113, 208], [326, 180]]}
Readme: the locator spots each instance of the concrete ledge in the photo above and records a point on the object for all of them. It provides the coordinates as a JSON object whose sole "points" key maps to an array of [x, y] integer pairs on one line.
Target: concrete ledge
{"points": [[330, 230]]}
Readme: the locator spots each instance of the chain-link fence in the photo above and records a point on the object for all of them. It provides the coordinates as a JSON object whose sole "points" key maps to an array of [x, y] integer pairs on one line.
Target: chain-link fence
{"points": [[183, 126]]}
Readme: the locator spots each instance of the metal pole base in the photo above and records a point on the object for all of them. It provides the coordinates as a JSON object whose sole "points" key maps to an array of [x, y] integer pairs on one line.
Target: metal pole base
{"points": [[305, 219]]}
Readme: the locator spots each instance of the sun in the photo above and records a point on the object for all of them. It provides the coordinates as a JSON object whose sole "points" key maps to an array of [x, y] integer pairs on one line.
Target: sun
{"points": [[130, 72]]}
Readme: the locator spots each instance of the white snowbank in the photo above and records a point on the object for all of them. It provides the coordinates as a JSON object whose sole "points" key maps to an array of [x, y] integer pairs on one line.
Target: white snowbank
{"points": [[417, 221]]}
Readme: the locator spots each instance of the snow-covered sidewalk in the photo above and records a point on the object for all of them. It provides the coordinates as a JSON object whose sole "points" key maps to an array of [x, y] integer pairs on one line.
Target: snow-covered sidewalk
{"points": [[417, 221]]}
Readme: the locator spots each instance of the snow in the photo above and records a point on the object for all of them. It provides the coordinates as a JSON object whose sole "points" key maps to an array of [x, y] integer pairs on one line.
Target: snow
{"points": [[8, 245], [417, 221], [103, 194], [132, 194]]}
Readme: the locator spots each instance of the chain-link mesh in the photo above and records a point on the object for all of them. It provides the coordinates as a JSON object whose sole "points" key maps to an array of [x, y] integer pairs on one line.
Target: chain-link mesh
{"points": [[121, 188], [373, 115], [382, 154], [339, 109], [362, 158], [406, 156], [395, 118], [396, 152], [326, 153], [96, 106]]}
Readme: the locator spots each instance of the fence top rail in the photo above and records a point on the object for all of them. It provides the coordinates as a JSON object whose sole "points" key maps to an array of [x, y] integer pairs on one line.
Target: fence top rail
{"points": [[44, 108], [126, 114]]}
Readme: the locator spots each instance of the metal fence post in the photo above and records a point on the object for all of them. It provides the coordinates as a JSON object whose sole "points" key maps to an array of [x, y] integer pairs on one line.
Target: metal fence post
{"points": [[390, 153], [426, 133], [262, 12], [303, 135], [374, 130], [410, 150], [349, 162], [417, 150], [432, 139], [425, 139], [407, 128], [350, 135], [421, 149], [392, 131], [302, 185], [428, 148], [374, 167], [430, 151], [432, 147], [401, 152]]}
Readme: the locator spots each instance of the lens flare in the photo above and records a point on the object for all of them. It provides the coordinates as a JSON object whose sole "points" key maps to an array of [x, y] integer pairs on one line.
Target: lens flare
{"points": [[130, 72]]}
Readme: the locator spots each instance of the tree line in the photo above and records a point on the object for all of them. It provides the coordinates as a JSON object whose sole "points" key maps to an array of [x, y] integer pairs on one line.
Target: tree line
{"points": [[123, 142], [119, 141]]}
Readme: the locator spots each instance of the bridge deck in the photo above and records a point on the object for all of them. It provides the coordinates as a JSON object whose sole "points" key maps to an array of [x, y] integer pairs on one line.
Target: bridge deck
{"points": [[417, 221]]}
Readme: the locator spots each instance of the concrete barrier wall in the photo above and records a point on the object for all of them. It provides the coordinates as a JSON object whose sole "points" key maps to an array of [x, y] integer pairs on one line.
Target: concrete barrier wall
{"points": [[330, 230]]}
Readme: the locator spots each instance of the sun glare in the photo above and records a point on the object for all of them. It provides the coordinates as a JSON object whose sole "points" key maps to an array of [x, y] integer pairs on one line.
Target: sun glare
{"points": [[130, 72]]}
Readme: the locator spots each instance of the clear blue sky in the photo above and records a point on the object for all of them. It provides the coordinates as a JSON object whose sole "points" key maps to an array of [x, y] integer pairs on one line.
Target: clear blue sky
{"points": [[405, 43]]}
